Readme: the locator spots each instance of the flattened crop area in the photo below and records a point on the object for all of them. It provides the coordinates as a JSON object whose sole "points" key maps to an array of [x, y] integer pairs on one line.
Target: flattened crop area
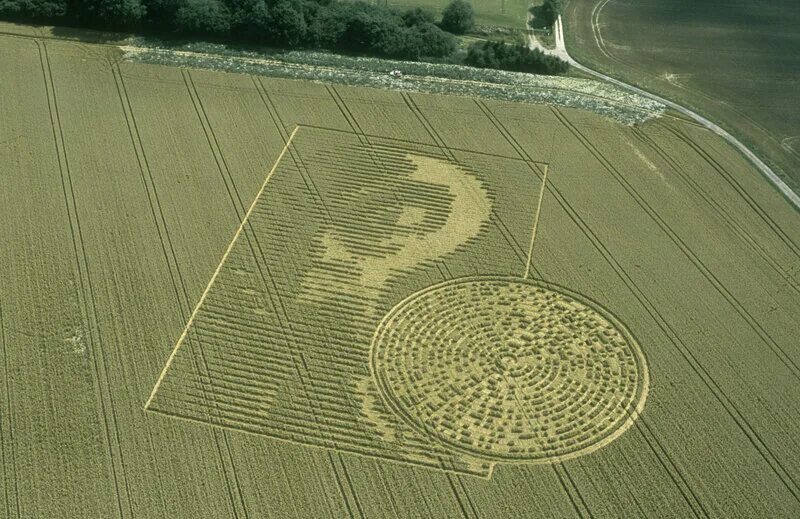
{"points": [[348, 302]]}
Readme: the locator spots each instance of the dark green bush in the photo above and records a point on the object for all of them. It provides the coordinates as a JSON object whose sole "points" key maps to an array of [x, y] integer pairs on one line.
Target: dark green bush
{"points": [[516, 58], [417, 16], [545, 15], [33, 9], [203, 17], [110, 14]]}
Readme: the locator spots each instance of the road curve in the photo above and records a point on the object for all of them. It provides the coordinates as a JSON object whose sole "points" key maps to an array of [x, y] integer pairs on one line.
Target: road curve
{"points": [[561, 52]]}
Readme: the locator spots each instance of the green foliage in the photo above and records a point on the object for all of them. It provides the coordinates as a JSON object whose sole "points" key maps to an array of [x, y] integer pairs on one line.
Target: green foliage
{"points": [[328, 27], [555, 5], [417, 16], [250, 19], [355, 27], [370, 29], [110, 14], [545, 15], [367, 29], [458, 17], [517, 58], [203, 17], [162, 12], [286, 24], [432, 41], [33, 9]]}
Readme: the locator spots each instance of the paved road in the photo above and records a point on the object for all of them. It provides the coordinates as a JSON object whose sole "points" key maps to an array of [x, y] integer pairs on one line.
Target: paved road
{"points": [[561, 52]]}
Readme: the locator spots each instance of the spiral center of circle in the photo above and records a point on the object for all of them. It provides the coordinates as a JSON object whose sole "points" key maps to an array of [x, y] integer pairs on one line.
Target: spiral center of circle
{"points": [[509, 369], [508, 362]]}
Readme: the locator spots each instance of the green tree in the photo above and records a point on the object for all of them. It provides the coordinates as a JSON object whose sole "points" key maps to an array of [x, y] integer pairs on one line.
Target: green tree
{"points": [[286, 25], [162, 12], [203, 17], [110, 14], [371, 30], [249, 19], [327, 29], [458, 17], [549, 11], [434, 42], [43, 9], [417, 16], [519, 58], [353, 26]]}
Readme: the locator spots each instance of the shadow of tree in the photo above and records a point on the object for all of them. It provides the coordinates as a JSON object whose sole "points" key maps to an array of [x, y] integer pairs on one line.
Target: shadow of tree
{"points": [[86, 35]]}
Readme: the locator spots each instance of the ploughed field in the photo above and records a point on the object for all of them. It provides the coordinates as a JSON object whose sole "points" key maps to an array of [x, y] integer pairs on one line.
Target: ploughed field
{"points": [[230, 296]]}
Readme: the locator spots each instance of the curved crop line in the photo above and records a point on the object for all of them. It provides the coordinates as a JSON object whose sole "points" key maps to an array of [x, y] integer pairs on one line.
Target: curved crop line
{"points": [[598, 37], [561, 52], [560, 471]]}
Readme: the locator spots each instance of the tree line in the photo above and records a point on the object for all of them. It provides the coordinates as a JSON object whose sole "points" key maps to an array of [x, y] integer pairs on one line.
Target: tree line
{"points": [[344, 26], [517, 58], [329, 24]]}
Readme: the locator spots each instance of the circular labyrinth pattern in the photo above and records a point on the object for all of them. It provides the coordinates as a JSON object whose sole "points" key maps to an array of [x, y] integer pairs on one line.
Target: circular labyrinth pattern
{"points": [[509, 369]]}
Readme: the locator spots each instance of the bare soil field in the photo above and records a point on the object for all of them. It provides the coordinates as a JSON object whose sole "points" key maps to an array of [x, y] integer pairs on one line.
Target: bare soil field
{"points": [[225, 295]]}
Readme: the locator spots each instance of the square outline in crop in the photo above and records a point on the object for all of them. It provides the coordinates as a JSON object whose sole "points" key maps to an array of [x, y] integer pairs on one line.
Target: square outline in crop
{"points": [[535, 167]]}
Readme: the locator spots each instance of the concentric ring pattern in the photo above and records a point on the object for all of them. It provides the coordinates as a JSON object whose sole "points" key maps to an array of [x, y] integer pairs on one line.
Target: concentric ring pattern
{"points": [[509, 369]]}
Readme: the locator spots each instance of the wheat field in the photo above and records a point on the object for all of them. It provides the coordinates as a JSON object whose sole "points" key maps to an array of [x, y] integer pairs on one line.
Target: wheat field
{"points": [[230, 296]]}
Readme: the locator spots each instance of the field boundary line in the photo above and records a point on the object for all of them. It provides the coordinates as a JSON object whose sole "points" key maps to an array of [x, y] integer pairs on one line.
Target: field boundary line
{"points": [[183, 304], [741, 191], [448, 152], [783, 474], [85, 293], [564, 478], [295, 154], [249, 430], [348, 480], [356, 128], [213, 142], [192, 317], [203, 370], [536, 221], [733, 411], [379, 469], [353, 123], [127, 110], [222, 166], [408, 141]]}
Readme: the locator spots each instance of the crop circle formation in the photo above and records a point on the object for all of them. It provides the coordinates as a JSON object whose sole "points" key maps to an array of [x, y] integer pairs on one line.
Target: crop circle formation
{"points": [[509, 369]]}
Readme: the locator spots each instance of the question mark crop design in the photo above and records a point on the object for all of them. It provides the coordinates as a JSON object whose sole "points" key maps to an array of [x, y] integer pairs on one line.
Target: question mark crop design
{"points": [[410, 219]]}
